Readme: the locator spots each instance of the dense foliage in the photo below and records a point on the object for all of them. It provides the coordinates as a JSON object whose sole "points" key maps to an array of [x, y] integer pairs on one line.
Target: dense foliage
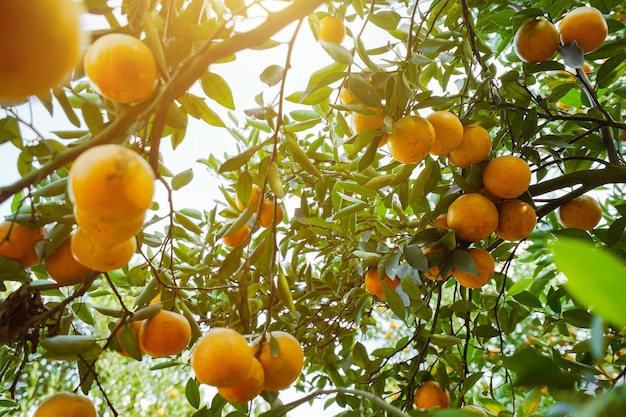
{"points": [[521, 345]]}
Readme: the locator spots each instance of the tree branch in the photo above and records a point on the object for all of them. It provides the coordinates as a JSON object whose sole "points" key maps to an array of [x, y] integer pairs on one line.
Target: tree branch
{"points": [[190, 70], [589, 179]]}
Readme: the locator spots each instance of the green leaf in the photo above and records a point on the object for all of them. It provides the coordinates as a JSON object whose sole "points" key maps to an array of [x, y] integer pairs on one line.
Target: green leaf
{"points": [[93, 117], [187, 223], [337, 52], [415, 257], [301, 157], [464, 262], [593, 278], [67, 345], [312, 97], [364, 90], [444, 340], [387, 20], [215, 87], [361, 358], [520, 286], [236, 162], [197, 107], [394, 301], [535, 370], [611, 70], [182, 178], [578, 317], [272, 75], [192, 392]]}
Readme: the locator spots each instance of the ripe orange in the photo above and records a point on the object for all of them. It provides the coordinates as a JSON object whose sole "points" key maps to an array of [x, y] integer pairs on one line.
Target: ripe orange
{"points": [[346, 96], [17, 241], [101, 256], [266, 216], [136, 328], [63, 268], [448, 132], [585, 25], [237, 237], [332, 29], [255, 195], [434, 273], [362, 122], [475, 409], [247, 389], [441, 221], [484, 263], [411, 139], [111, 184], [474, 148], [40, 44], [121, 67], [374, 285], [507, 176], [222, 358], [536, 41], [281, 368], [582, 212], [108, 232], [164, 334], [430, 395], [493, 198], [473, 217], [516, 220], [66, 404]]}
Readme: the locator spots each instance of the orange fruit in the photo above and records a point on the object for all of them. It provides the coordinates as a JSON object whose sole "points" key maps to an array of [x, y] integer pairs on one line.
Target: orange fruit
{"points": [[40, 44], [332, 29], [474, 148], [266, 216], [136, 326], [475, 409], [164, 334], [516, 220], [246, 390], [17, 242], [411, 139], [536, 41], [585, 25], [255, 196], [473, 217], [448, 132], [361, 122], [430, 395], [484, 264], [346, 96], [63, 268], [582, 212], [493, 198], [108, 232], [111, 184], [506, 176], [237, 237], [121, 67], [374, 285], [434, 273], [101, 256], [441, 221], [66, 404], [282, 367], [222, 358]]}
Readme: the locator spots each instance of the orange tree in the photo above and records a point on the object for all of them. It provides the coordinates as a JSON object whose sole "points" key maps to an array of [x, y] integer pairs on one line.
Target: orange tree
{"points": [[328, 203]]}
